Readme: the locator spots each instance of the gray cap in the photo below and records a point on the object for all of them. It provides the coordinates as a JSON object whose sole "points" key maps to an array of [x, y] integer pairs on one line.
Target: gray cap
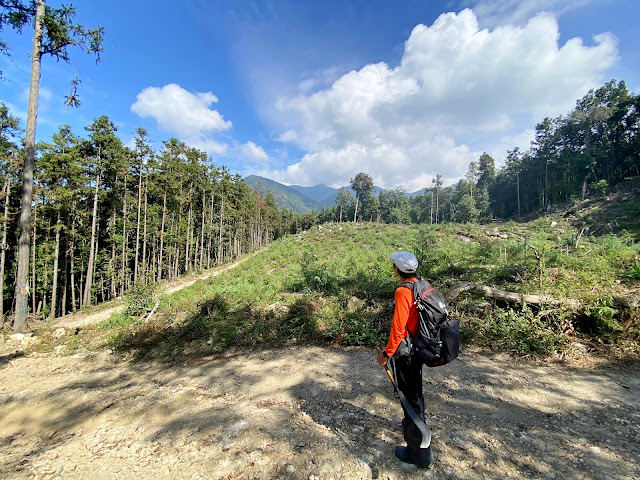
{"points": [[405, 261]]}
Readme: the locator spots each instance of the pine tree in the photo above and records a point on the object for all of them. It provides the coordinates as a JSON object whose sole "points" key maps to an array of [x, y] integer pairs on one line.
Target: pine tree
{"points": [[53, 34]]}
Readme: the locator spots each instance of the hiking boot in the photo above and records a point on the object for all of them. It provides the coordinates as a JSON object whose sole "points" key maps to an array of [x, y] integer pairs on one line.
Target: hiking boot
{"points": [[421, 457]]}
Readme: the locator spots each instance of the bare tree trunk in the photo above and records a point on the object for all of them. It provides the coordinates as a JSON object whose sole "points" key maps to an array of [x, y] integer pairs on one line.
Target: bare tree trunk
{"points": [[112, 262], [95, 257], [6, 190], [209, 239], [355, 213], [33, 259], [56, 254], [546, 184], [63, 303], [219, 252], [258, 240], [72, 273], [144, 237], [82, 270], [135, 262], [86, 298], [518, 191], [196, 241], [164, 214], [151, 269], [510, 297], [175, 230], [123, 260], [431, 212], [176, 266], [187, 258], [21, 292], [202, 231]]}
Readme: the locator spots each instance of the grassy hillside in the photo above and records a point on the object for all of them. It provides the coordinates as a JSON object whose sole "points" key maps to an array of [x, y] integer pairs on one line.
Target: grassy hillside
{"points": [[334, 285]]}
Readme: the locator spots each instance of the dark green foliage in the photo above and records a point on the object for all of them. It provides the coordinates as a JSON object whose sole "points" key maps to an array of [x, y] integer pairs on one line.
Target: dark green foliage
{"points": [[517, 331], [362, 185], [299, 322], [633, 272], [600, 320], [139, 299], [592, 148]]}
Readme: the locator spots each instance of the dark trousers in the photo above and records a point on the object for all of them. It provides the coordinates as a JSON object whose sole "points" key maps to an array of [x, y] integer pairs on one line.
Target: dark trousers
{"points": [[408, 374]]}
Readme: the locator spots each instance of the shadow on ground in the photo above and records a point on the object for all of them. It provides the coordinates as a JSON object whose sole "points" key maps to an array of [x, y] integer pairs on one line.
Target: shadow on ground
{"points": [[329, 412]]}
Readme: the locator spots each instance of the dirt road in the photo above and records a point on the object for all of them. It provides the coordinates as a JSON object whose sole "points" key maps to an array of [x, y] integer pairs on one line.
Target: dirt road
{"points": [[82, 319], [311, 413]]}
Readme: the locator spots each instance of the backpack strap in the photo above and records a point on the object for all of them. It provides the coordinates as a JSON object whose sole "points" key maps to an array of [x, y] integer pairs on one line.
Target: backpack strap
{"points": [[410, 286], [416, 293]]}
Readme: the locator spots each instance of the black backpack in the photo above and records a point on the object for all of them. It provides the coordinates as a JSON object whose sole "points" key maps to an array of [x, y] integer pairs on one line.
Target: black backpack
{"points": [[437, 340]]}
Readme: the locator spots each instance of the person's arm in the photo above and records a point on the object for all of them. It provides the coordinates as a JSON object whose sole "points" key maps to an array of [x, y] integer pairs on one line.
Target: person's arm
{"points": [[404, 300]]}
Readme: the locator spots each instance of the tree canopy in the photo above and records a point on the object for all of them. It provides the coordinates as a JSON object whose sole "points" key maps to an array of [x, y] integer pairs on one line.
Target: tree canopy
{"points": [[362, 184]]}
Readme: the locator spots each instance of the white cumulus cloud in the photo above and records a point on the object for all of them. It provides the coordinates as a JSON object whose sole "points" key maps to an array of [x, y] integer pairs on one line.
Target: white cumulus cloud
{"points": [[184, 114], [455, 83], [253, 152]]}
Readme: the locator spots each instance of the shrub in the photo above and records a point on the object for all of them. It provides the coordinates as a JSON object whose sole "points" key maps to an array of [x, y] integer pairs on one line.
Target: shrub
{"points": [[519, 331], [600, 187], [138, 299], [633, 272], [603, 320]]}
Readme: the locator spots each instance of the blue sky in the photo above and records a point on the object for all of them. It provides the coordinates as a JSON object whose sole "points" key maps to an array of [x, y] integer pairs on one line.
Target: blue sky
{"points": [[307, 92]]}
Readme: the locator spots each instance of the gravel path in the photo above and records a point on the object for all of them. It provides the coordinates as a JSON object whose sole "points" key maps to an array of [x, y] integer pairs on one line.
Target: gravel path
{"points": [[82, 319]]}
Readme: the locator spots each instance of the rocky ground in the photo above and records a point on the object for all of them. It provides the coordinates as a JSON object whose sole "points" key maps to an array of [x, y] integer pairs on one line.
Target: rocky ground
{"points": [[310, 413]]}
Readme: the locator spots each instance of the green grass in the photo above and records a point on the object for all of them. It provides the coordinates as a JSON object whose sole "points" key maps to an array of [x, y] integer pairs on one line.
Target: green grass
{"points": [[334, 285]]}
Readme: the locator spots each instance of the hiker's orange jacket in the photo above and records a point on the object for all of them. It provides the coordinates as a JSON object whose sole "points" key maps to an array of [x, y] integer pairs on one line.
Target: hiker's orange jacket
{"points": [[405, 315]]}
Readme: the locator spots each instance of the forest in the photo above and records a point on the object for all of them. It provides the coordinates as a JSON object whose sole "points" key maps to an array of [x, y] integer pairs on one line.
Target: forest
{"points": [[107, 217]]}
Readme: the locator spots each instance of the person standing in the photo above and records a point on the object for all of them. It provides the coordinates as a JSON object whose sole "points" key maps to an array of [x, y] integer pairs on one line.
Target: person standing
{"points": [[407, 368]]}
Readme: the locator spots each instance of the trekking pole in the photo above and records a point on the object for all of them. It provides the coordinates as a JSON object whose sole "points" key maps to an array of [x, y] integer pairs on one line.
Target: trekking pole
{"points": [[422, 426]]}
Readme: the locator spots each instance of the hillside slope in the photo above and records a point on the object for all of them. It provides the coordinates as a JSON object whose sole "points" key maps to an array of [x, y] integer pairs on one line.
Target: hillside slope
{"points": [[315, 193], [286, 198]]}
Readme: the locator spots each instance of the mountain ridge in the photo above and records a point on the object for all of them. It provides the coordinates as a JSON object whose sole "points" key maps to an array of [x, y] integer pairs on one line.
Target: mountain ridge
{"points": [[301, 199]]}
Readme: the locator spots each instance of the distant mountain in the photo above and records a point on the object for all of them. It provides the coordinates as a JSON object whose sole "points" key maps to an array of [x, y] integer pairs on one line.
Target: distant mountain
{"points": [[285, 197], [317, 192], [330, 199], [303, 199]]}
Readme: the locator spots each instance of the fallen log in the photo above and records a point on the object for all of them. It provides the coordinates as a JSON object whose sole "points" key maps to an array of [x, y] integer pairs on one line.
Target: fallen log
{"points": [[147, 316], [509, 297]]}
